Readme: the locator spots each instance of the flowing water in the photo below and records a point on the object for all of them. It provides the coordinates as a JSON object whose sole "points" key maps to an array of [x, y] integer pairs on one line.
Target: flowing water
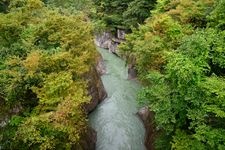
{"points": [[115, 119]]}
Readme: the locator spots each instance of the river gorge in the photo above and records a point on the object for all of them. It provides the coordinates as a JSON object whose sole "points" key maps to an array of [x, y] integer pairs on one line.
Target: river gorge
{"points": [[115, 120]]}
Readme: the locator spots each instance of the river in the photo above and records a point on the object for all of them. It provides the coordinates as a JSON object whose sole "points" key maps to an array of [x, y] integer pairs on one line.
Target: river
{"points": [[115, 120]]}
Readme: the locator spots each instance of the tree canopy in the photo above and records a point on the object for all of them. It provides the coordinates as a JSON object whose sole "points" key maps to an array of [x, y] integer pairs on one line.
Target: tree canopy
{"points": [[123, 13], [179, 54], [44, 54], [177, 47]]}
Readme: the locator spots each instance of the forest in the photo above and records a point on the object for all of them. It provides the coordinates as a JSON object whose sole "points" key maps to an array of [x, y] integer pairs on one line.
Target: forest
{"points": [[179, 54], [47, 48], [41, 74]]}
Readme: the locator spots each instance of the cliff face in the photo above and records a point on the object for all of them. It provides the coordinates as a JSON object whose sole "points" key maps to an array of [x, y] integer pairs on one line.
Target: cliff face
{"points": [[103, 40], [88, 141], [95, 86], [96, 90], [147, 117], [98, 94], [109, 41]]}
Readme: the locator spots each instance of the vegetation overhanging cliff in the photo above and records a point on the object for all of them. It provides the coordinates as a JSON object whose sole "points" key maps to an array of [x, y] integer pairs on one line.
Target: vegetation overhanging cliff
{"points": [[45, 56]]}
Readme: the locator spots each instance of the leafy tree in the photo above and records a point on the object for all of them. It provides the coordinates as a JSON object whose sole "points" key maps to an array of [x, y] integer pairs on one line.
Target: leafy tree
{"points": [[44, 56], [188, 104], [123, 13], [217, 15], [4, 6], [151, 41], [75, 6], [137, 12], [179, 54]]}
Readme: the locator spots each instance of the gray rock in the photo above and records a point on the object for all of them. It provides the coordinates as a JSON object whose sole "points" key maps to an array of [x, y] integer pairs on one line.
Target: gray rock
{"points": [[121, 34], [4, 122], [113, 47], [144, 114], [95, 89], [108, 41], [101, 68], [88, 141], [150, 135], [98, 94], [132, 72], [5, 116], [102, 40]]}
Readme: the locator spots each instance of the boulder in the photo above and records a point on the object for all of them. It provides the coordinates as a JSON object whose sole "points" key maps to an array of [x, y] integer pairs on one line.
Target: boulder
{"points": [[144, 114], [108, 41]]}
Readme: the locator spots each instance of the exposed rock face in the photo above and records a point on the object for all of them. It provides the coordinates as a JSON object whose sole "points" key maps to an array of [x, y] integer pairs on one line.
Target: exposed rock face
{"points": [[108, 41], [5, 115], [88, 141], [101, 68], [113, 47], [96, 90], [95, 86], [147, 117], [121, 34], [103, 40], [98, 94], [132, 72]]}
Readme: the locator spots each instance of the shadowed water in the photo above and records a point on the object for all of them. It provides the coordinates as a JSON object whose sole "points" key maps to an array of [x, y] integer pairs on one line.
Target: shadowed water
{"points": [[115, 119]]}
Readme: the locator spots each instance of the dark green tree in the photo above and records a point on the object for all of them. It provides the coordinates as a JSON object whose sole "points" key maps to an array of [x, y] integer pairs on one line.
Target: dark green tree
{"points": [[123, 13]]}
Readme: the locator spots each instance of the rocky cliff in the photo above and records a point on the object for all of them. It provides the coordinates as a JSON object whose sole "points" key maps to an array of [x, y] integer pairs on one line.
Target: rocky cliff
{"points": [[110, 41], [95, 86], [147, 117], [98, 94]]}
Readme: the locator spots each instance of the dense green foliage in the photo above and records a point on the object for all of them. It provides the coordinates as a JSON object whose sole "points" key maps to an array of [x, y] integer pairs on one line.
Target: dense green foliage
{"points": [[179, 52], [123, 13], [73, 5], [4, 5], [46, 48], [44, 54]]}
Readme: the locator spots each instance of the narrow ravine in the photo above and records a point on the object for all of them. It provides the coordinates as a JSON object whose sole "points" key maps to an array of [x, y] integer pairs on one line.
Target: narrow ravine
{"points": [[115, 119]]}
